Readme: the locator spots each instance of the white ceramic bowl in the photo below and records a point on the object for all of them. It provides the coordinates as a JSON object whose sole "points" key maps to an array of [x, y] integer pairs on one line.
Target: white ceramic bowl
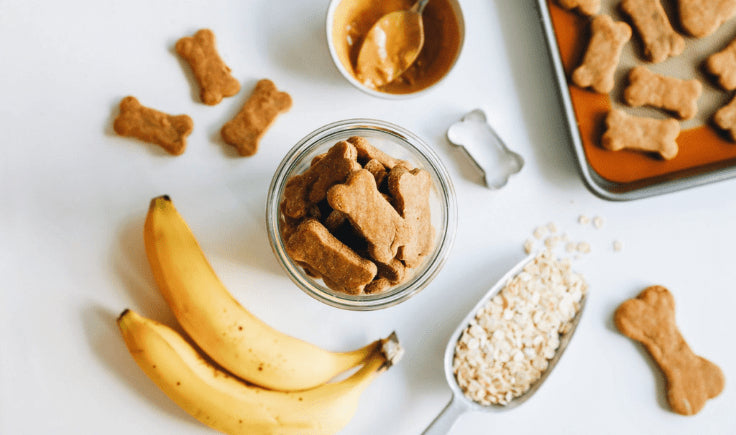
{"points": [[370, 91]]}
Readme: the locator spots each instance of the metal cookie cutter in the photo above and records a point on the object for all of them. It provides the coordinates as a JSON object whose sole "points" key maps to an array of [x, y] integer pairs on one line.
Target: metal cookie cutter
{"points": [[496, 162]]}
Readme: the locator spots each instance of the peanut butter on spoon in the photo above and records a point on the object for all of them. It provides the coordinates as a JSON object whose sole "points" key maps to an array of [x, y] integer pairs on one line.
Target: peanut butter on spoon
{"points": [[391, 46]]}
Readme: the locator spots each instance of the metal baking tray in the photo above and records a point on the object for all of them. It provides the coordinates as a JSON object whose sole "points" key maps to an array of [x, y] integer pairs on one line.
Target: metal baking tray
{"points": [[706, 154]]}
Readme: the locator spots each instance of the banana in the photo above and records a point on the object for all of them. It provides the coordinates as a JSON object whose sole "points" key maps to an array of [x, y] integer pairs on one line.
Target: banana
{"points": [[230, 405], [231, 335]]}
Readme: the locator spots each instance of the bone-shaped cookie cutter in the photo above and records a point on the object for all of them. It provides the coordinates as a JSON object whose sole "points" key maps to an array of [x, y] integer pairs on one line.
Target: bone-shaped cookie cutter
{"points": [[475, 136]]}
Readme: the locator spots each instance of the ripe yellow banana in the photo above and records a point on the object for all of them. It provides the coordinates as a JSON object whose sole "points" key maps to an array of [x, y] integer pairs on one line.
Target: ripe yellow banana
{"points": [[231, 335], [227, 404]]}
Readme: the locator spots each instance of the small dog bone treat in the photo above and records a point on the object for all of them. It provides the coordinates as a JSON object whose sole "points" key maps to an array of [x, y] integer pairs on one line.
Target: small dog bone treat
{"points": [[313, 244], [702, 17], [150, 125], [410, 190], [624, 131], [245, 130], [659, 38], [367, 152], [723, 65], [649, 89], [371, 215], [311, 187], [725, 118], [650, 319], [213, 76], [587, 7], [602, 55]]}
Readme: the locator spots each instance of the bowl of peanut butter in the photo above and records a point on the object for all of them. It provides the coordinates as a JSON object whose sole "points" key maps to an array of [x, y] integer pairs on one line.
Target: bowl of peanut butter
{"points": [[364, 45]]}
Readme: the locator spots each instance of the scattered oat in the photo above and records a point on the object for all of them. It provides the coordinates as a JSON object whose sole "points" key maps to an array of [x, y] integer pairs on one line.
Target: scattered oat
{"points": [[551, 242], [583, 247], [529, 246], [597, 222], [617, 246], [583, 220], [552, 227], [540, 232], [570, 247], [508, 345]]}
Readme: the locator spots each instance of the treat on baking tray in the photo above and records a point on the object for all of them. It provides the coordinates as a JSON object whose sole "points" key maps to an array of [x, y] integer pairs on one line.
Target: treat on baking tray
{"points": [[665, 74]]}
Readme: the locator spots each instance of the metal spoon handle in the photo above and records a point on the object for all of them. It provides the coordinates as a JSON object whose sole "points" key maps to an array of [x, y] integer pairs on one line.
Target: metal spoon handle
{"points": [[442, 424], [419, 6]]}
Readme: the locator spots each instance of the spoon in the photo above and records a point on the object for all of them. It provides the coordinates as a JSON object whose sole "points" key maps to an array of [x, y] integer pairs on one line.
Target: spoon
{"points": [[459, 402], [391, 46]]}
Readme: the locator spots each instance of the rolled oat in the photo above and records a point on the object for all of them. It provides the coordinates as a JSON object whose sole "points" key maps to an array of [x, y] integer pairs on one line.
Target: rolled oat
{"points": [[508, 345]]}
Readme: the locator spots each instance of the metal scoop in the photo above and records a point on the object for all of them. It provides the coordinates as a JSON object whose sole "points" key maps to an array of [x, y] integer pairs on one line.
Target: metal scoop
{"points": [[459, 403]]}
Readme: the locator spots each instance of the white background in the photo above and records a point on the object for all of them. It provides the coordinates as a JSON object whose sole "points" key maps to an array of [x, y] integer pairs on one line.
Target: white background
{"points": [[74, 196]]}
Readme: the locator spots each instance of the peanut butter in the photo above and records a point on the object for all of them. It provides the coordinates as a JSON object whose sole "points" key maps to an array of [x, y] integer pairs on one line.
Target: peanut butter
{"points": [[353, 20]]}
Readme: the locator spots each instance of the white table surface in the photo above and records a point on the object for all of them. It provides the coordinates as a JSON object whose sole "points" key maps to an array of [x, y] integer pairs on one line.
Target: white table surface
{"points": [[74, 196]]}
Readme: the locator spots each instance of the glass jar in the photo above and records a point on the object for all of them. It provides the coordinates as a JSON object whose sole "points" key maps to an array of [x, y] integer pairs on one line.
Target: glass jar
{"points": [[400, 144]]}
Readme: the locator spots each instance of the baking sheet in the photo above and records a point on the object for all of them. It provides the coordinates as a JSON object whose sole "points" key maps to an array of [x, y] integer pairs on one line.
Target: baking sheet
{"points": [[706, 154]]}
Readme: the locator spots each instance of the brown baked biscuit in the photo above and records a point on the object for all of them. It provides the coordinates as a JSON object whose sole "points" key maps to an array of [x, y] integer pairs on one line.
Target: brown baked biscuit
{"points": [[316, 159], [723, 65], [311, 186], [650, 319], [410, 190], [587, 7], [367, 152], [371, 215], [602, 55], [149, 125], [245, 130], [725, 118], [394, 271], [649, 89], [211, 73], [378, 285], [340, 267], [702, 17], [659, 38], [624, 131], [377, 169]]}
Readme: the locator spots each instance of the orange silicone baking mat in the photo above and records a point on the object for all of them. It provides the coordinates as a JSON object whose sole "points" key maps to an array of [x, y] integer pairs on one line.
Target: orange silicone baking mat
{"points": [[702, 147]]}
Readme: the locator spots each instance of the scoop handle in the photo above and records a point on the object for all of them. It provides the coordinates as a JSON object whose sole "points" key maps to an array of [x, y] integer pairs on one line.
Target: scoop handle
{"points": [[446, 419]]}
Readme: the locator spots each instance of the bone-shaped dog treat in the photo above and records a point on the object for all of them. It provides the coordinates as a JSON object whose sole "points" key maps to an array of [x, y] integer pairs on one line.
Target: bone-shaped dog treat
{"points": [[723, 65], [587, 7], [149, 125], [371, 215], [624, 131], [649, 89], [650, 319], [702, 17], [311, 186], [410, 190], [725, 118], [211, 73], [659, 38], [602, 55], [245, 130], [313, 244], [367, 152]]}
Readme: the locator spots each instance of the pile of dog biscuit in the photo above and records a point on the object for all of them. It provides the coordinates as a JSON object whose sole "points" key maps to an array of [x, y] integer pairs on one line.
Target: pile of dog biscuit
{"points": [[358, 218]]}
